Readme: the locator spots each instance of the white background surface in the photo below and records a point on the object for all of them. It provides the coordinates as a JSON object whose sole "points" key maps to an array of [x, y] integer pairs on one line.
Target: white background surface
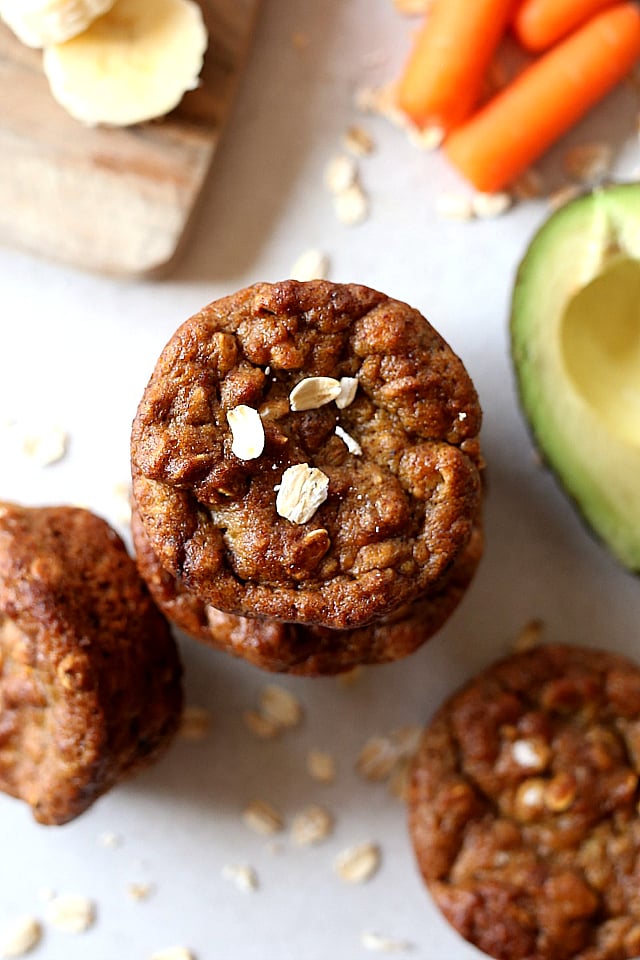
{"points": [[77, 350]]}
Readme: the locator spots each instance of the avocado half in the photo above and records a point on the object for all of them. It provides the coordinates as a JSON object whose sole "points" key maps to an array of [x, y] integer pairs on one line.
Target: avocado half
{"points": [[575, 342]]}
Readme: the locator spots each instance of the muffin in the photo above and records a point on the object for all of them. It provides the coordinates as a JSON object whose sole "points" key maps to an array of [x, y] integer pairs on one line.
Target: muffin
{"points": [[308, 453], [523, 807], [306, 649], [90, 678]]}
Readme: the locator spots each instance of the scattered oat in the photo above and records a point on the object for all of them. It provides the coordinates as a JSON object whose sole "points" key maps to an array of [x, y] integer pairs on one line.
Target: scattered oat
{"points": [[340, 173], [412, 8], [20, 936], [377, 758], [173, 953], [300, 40], [425, 138], [563, 195], [262, 818], [195, 723], [407, 739], [348, 390], [588, 162], [454, 206], [352, 445], [400, 779], [140, 891], [485, 206], [122, 503], [529, 637], [109, 839], [358, 141], [349, 678], [280, 706], [359, 863], [259, 725], [377, 941], [312, 825], [313, 264], [382, 101], [314, 392], [351, 205], [71, 913], [40, 445], [302, 490], [243, 876], [247, 432], [321, 766]]}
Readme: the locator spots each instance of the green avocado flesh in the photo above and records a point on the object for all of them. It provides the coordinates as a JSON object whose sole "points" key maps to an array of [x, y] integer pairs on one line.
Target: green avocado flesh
{"points": [[575, 341]]}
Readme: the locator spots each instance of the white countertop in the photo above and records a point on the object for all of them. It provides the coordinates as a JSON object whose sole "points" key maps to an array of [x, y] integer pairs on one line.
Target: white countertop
{"points": [[76, 350]]}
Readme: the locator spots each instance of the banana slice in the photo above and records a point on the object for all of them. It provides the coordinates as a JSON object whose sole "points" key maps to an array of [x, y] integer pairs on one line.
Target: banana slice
{"points": [[133, 64], [39, 23]]}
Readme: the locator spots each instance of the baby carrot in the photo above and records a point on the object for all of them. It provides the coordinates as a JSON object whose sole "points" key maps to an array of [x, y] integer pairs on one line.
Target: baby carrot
{"points": [[443, 77], [538, 24], [503, 138]]}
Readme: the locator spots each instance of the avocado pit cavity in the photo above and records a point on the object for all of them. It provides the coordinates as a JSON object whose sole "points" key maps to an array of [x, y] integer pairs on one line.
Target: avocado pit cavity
{"points": [[600, 343]]}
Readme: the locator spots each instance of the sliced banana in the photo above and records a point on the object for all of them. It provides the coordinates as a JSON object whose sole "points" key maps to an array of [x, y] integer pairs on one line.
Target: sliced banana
{"points": [[133, 64], [39, 23]]}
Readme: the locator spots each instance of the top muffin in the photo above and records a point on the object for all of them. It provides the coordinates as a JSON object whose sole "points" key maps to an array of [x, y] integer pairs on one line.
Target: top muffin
{"points": [[308, 452]]}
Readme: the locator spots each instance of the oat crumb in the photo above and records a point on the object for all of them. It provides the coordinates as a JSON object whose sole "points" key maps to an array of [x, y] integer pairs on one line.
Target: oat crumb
{"points": [[280, 706], [260, 726], [454, 206], [20, 936], [300, 40], [71, 913], [351, 205], [359, 863], [173, 953], [349, 678], [109, 839], [529, 637], [352, 445], [247, 432], [321, 766], [195, 723], [383, 944], [312, 825], [340, 173], [425, 138], [140, 891], [302, 490], [486, 206], [377, 758], [312, 264], [358, 141], [242, 876], [262, 818], [38, 444]]}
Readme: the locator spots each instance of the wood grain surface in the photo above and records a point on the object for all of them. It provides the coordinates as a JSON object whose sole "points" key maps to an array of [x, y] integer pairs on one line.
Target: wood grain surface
{"points": [[111, 200]]}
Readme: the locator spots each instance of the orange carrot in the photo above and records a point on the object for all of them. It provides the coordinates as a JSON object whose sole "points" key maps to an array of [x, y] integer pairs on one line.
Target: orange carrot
{"points": [[515, 128], [539, 24], [442, 80]]}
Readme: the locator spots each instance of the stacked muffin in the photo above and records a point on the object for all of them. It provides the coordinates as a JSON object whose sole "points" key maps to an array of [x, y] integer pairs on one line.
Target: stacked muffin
{"points": [[306, 477]]}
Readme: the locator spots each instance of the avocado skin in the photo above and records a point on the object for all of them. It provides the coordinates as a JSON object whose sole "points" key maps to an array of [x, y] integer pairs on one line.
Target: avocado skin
{"points": [[598, 473]]}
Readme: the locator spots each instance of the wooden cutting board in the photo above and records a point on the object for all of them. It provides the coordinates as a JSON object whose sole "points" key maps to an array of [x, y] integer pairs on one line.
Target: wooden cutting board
{"points": [[114, 201]]}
